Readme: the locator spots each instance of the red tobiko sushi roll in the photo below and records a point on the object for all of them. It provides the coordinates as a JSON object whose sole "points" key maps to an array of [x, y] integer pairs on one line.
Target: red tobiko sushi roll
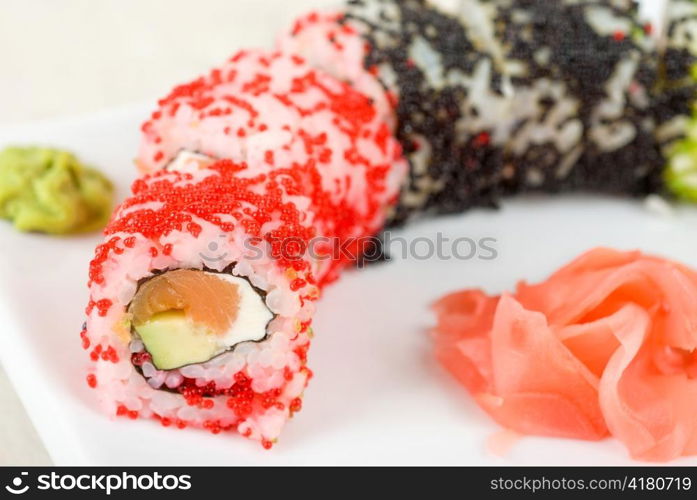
{"points": [[203, 291], [259, 102]]}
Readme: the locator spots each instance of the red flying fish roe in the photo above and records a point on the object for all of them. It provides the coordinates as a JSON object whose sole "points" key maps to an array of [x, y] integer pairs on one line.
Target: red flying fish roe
{"points": [[324, 138], [216, 195], [123, 411], [332, 41], [241, 399], [359, 150], [482, 140], [85, 338]]}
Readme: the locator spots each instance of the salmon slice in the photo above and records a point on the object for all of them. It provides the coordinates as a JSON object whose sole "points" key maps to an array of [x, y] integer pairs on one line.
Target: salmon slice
{"points": [[205, 298], [607, 345]]}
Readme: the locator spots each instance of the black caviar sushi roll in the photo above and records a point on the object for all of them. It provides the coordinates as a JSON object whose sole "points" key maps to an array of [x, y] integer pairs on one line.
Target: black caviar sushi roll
{"points": [[590, 67], [499, 97]]}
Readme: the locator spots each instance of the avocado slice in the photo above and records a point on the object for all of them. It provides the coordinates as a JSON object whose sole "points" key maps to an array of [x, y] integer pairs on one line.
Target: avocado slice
{"points": [[174, 341]]}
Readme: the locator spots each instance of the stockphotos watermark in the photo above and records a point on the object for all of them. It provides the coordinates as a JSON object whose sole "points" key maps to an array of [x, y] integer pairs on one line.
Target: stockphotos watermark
{"points": [[104, 483], [364, 250]]}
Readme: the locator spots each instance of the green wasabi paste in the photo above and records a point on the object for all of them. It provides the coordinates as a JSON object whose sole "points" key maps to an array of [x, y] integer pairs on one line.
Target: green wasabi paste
{"points": [[50, 191]]}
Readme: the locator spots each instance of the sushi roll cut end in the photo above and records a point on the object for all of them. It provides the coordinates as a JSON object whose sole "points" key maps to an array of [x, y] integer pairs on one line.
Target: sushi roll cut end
{"points": [[186, 316]]}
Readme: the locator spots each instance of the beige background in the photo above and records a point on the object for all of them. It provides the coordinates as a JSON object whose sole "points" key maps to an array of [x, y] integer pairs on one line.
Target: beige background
{"points": [[75, 56], [68, 57]]}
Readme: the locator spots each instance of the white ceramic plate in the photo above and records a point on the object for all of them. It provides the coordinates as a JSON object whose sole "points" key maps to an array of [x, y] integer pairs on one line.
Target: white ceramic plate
{"points": [[378, 397]]}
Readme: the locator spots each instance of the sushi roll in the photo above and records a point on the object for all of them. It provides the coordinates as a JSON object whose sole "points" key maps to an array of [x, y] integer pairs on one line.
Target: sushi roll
{"points": [[675, 103], [412, 50], [495, 97], [677, 85], [603, 66], [255, 103], [203, 291]]}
